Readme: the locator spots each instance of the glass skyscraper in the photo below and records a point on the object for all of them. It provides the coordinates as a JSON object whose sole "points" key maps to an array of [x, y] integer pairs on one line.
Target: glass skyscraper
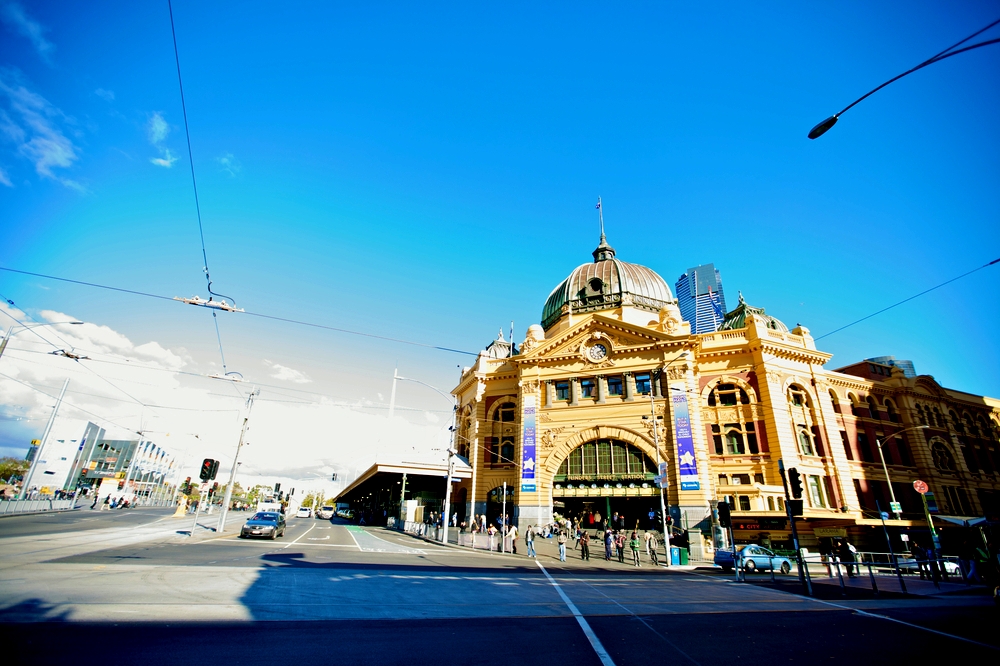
{"points": [[701, 299]]}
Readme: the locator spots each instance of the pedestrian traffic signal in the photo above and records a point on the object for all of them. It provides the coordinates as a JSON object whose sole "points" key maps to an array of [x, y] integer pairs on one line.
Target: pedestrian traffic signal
{"points": [[725, 519], [215, 468], [206, 469], [121, 485], [186, 486], [214, 489], [291, 492], [277, 487], [795, 482]]}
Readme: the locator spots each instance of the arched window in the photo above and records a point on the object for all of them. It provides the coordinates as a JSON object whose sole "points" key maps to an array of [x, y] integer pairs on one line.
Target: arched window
{"points": [[803, 420], [505, 412], [728, 395], [921, 415], [834, 398], [806, 444], [500, 445], [956, 422], [936, 418], [770, 503], [943, 459], [872, 406], [605, 458], [890, 410]]}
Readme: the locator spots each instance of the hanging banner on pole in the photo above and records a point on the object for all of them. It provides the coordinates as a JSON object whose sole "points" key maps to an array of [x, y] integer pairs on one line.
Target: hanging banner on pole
{"points": [[686, 463], [528, 445]]}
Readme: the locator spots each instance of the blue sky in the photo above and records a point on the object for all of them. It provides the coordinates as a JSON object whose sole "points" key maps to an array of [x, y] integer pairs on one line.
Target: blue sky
{"points": [[430, 173]]}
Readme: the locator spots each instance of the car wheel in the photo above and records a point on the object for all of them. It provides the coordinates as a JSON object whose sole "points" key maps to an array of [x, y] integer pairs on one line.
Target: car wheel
{"points": [[750, 566], [274, 535], [785, 567]]}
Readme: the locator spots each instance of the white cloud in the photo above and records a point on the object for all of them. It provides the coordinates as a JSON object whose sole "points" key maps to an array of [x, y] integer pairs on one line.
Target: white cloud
{"points": [[196, 417], [166, 161], [106, 95], [287, 374], [230, 164], [30, 122], [14, 16], [157, 128], [5, 179]]}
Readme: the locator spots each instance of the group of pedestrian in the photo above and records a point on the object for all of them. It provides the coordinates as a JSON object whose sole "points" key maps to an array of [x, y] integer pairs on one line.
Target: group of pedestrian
{"points": [[111, 503]]}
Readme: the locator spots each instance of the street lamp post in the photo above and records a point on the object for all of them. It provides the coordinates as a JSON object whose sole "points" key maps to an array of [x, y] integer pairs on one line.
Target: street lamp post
{"points": [[821, 129], [24, 327], [221, 527], [896, 508], [656, 445]]}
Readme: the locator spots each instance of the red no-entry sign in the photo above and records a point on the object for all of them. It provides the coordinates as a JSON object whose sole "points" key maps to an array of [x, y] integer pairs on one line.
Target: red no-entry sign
{"points": [[920, 486]]}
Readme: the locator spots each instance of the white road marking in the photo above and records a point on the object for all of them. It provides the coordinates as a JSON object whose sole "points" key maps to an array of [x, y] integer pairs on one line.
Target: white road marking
{"points": [[289, 545], [595, 642]]}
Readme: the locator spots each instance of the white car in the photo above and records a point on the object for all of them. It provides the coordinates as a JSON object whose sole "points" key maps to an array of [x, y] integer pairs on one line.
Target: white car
{"points": [[325, 513], [304, 512]]}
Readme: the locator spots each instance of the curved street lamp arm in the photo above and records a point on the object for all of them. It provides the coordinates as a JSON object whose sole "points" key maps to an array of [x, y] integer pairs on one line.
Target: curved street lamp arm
{"points": [[931, 61], [450, 398]]}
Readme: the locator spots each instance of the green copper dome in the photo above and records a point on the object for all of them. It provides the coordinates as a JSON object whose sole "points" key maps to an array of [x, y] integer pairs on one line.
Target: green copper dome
{"points": [[737, 318], [605, 284]]}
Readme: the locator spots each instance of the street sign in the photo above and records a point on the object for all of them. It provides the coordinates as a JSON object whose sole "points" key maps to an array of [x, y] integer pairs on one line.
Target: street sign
{"points": [[920, 486], [896, 507]]}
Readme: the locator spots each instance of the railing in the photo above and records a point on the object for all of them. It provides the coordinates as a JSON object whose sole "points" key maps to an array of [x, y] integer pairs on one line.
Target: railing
{"points": [[35, 506]]}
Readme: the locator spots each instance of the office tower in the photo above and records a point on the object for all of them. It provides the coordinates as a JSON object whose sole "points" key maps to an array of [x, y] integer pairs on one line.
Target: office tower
{"points": [[700, 298]]}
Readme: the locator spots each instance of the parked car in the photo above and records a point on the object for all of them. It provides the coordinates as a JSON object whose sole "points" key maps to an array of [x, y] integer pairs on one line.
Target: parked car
{"points": [[267, 524], [304, 512], [753, 558], [325, 513], [907, 564]]}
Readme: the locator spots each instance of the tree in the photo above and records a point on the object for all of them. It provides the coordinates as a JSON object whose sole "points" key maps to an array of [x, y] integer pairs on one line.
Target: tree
{"points": [[13, 469]]}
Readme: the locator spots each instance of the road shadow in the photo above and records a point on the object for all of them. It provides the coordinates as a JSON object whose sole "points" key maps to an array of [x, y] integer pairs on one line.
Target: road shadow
{"points": [[34, 610]]}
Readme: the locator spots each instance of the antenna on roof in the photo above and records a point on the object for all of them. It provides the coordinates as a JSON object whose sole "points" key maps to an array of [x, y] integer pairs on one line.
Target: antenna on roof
{"points": [[600, 214]]}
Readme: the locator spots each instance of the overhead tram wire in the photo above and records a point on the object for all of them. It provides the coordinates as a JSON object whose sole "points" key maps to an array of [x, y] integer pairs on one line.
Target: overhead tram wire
{"points": [[194, 185], [261, 315], [906, 300]]}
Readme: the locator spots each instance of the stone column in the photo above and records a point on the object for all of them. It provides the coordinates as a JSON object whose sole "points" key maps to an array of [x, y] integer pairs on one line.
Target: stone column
{"points": [[602, 389], [574, 391], [656, 379], [629, 387], [548, 390]]}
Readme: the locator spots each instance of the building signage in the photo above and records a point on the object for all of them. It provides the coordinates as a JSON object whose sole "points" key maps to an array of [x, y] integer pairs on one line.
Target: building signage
{"points": [[830, 532], [686, 462], [528, 445], [760, 524]]}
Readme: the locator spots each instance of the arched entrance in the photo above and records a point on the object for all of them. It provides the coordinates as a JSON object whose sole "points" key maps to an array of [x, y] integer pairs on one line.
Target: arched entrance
{"points": [[495, 505], [603, 477]]}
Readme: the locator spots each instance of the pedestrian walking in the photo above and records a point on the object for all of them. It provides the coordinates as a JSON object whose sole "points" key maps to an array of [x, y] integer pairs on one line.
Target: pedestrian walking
{"points": [[513, 539], [529, 540], [562, 545], [633, 544], [585, 546], [492, 531]]}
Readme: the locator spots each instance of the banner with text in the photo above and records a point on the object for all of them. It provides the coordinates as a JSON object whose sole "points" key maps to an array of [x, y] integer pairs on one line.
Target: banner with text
{"points": [[686, 462], [528, 445]]}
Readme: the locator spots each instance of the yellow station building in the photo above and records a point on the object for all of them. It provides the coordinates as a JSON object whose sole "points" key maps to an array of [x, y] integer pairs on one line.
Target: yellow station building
{"points": [[577, 418]]}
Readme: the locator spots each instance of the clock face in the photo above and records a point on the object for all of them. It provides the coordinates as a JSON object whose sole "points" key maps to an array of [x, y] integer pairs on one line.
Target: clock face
{"points": [[597, 352]]}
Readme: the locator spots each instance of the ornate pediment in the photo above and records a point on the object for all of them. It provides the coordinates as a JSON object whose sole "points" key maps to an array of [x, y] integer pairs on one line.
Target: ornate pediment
{"points": [[595, 341]]}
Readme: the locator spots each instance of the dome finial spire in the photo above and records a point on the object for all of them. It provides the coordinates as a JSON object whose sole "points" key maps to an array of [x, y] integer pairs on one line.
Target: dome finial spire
{"points": [[603, 251]]}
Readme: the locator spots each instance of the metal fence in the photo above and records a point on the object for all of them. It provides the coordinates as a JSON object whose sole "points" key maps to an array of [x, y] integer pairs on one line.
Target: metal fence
{"points": [[35, 506]]}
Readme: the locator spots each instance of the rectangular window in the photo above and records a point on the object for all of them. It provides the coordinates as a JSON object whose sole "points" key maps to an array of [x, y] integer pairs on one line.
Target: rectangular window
{"points": [[815, 491], [588, 388], [642, 384], [562, 390], [604, 457], [619, 458], [864, 448], [717, 438], [589, 459], [847, 445], [742, 479], [758, 478], [615, 385], [492, 452], [752, 439], [723, 480], [744, 503]]}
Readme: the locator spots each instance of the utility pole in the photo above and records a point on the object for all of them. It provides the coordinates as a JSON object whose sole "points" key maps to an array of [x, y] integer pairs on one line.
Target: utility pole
{"points": [[41, 446], [659, 459], [232, 472]]}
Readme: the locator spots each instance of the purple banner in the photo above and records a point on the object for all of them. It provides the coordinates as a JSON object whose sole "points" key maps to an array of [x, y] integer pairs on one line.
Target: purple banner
{"points": [[686, 462], [528, 445]]}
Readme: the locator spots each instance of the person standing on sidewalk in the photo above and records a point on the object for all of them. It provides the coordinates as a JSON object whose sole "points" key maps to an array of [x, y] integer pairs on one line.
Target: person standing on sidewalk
{"points": [[608, 542], [585, 546], [620, 546], [513, 539], [562, 545], [652, 545], [529, 540], [633, 543]]}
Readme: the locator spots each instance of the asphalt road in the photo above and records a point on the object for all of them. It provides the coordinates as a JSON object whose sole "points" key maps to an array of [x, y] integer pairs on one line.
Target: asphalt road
{"points": [[340, 594]]}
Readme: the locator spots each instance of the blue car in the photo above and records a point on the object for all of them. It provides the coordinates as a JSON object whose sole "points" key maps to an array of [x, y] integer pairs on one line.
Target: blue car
{"points": [[753, 558]]}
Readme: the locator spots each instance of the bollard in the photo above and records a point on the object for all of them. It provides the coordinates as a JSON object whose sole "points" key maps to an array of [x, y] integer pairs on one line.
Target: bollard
{"points": [[840, 575], [872, 577]]}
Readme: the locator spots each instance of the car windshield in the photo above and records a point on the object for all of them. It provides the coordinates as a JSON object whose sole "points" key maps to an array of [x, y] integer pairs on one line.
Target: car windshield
{"points": [[270, 517], [328, 508]]}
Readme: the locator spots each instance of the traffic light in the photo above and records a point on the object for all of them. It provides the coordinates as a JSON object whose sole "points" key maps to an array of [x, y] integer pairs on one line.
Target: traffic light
{"points": [[669, 521], [291, 492], [186, 486], [277, 487], [121, 485], [725, 520], [795, 482], [215, 469], [215, 489], [206, 469]]}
